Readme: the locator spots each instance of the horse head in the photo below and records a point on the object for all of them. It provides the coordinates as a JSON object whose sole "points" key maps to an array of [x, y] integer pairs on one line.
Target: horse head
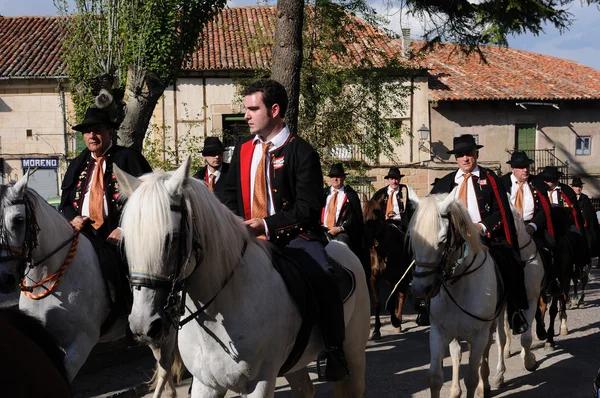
{"points": [[439, 228], [17, 234], [156, 247]]}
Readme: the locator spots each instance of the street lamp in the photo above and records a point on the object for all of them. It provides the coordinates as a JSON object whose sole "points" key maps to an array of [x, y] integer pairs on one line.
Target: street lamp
{"points": [[424, 136]]}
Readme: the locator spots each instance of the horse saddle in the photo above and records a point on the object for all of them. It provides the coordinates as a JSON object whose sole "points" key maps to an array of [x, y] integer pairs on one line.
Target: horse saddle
{"points": [[290, 263]]}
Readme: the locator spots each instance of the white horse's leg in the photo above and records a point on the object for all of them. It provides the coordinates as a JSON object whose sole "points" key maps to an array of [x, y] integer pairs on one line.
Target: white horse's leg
{"points": [[456, 355], [199, 390], [301, 384], [484, 388], [77, 353], [437, 346], [168, 366], [501, 328], [477, 348], [563, 320], [528, 357], [263, 389], [354, 385], [507, 334]]}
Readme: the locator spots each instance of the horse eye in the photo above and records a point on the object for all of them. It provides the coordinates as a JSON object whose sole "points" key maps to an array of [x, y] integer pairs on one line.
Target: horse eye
{"points": [[18, 220]]}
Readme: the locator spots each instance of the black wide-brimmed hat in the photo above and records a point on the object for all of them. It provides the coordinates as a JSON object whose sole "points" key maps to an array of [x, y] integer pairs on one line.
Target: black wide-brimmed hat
{"points": [[212, 146], [435, 180], [394, 173], [550, 173], [464, 144], [577, 182], [519, 159], [95, 116], [337, 170]]}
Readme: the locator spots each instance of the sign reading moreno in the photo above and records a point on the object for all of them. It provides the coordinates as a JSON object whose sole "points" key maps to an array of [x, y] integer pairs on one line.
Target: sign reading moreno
{"points": [[32, 163]]}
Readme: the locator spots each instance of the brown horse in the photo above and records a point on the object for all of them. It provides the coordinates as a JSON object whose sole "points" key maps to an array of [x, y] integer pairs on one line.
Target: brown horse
{"points": [[34, 362], [564, 259], [386, 256]]}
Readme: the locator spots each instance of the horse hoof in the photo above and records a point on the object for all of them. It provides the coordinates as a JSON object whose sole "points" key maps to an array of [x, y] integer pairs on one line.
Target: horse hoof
{"points": [[541, 335], [564, 331], [399, 330], [484, 392], [376, 336], [580, 305], [507, 354], [397, 323], [531, 364], [549, 346], [498, 382]]}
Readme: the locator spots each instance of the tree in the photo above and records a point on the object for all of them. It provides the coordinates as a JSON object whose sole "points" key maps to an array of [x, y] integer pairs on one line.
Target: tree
{"points": [[122, 54]]}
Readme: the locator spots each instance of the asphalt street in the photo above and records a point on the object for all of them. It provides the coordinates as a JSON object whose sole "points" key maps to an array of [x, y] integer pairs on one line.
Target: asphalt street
{"points": [[397, 365]]}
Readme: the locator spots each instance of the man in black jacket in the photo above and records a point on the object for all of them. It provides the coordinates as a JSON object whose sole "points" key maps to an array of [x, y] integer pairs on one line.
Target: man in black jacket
{"points": [[215, 172], [487, 203], [590, 221], [342, 214], [275, 182], [529, 195], [77, 203], [401, 209], [564, 199], [91, 201]]}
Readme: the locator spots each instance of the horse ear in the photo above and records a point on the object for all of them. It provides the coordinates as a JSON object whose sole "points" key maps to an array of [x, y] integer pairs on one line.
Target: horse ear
{"points": [[127, 182], [447, 200], [177, 180], [21, 185], [412, 196]]}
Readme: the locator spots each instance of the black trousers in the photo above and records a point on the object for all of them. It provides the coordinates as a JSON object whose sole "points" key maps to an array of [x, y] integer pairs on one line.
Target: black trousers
{"points": [[321, 277], [512, 270]]}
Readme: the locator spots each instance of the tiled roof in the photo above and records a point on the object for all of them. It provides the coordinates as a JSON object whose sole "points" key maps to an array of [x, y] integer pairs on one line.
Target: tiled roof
{"points": [[509, 74], [241, 38], [30, 47]]}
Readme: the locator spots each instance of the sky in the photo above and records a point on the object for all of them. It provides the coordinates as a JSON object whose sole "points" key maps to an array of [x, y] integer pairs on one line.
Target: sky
{"points": [[579, 44]]}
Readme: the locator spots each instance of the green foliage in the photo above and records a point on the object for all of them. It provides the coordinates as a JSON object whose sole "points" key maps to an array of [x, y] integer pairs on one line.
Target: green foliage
{"points": [[349, 107], [116, 37], [161, 154]]}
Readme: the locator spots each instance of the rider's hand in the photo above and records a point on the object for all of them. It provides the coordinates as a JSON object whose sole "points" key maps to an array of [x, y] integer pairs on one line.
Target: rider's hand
{"points": [[530, 230], [479, 227], [114, 237], [79, 222], [333, 231], [256, 226]]}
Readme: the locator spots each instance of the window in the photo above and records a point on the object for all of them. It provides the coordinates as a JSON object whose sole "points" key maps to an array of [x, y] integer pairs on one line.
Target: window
{"points": [[525, 138], [29, 133], [583, 145], [234, 128]]}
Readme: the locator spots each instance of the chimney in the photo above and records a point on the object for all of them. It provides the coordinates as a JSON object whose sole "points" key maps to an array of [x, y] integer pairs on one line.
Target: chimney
{"points": [[405, 41]]}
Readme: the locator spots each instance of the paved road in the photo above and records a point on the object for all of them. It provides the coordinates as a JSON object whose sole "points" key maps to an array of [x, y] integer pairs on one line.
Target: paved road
{"points": [[397, 365]]}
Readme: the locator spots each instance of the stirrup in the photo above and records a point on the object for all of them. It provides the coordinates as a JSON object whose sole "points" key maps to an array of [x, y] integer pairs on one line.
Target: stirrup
{"points": [[332, 369]]}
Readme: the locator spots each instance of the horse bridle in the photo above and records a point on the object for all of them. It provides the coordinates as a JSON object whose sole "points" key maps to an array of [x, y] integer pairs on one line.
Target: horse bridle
{"points": [[24, 254]]}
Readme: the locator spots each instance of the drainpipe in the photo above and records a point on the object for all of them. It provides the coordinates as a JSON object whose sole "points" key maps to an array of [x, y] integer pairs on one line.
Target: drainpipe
{"points": [[204, 105], [63, 105], [164, 130], [412, 103], [175, 134]]}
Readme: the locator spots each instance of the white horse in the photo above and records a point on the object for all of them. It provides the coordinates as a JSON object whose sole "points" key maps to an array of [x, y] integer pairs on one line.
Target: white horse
{"points": [[534, 275], [177, 232], [36, 243], [454, 268]]}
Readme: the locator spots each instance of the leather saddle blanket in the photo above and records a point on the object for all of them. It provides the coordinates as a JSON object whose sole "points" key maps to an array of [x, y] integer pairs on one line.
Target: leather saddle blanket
{"points": [[289, 263]]}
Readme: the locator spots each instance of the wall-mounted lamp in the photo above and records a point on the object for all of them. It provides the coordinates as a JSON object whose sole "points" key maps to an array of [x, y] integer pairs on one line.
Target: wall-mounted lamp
{"points": [[424, 136]]}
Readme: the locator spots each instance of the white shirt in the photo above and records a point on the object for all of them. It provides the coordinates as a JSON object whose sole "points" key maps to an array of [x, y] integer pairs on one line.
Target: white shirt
{"points": [[85, 206], [473, 206], [392, 195], [217, 174], [340, 201], [528, 201], [276, 142], [555, 195]]}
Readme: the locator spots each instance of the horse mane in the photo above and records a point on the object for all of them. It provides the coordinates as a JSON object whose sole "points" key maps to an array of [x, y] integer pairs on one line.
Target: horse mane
{"points": [[7, 197], [372, 211], [425, 224], [148, 217]]}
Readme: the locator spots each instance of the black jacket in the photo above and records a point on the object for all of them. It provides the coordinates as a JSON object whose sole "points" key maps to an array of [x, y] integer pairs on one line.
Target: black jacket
{"points": [[592, 230], [541, 211], [219, 187], [76, 179], [296, 184], [350, 218], [407, 213], [567, 198], [492, 201]]}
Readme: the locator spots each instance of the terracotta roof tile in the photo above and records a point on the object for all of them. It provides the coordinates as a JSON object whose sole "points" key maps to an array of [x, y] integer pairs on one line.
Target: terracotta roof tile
{"points": [[509, 74], [30, 47]]}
